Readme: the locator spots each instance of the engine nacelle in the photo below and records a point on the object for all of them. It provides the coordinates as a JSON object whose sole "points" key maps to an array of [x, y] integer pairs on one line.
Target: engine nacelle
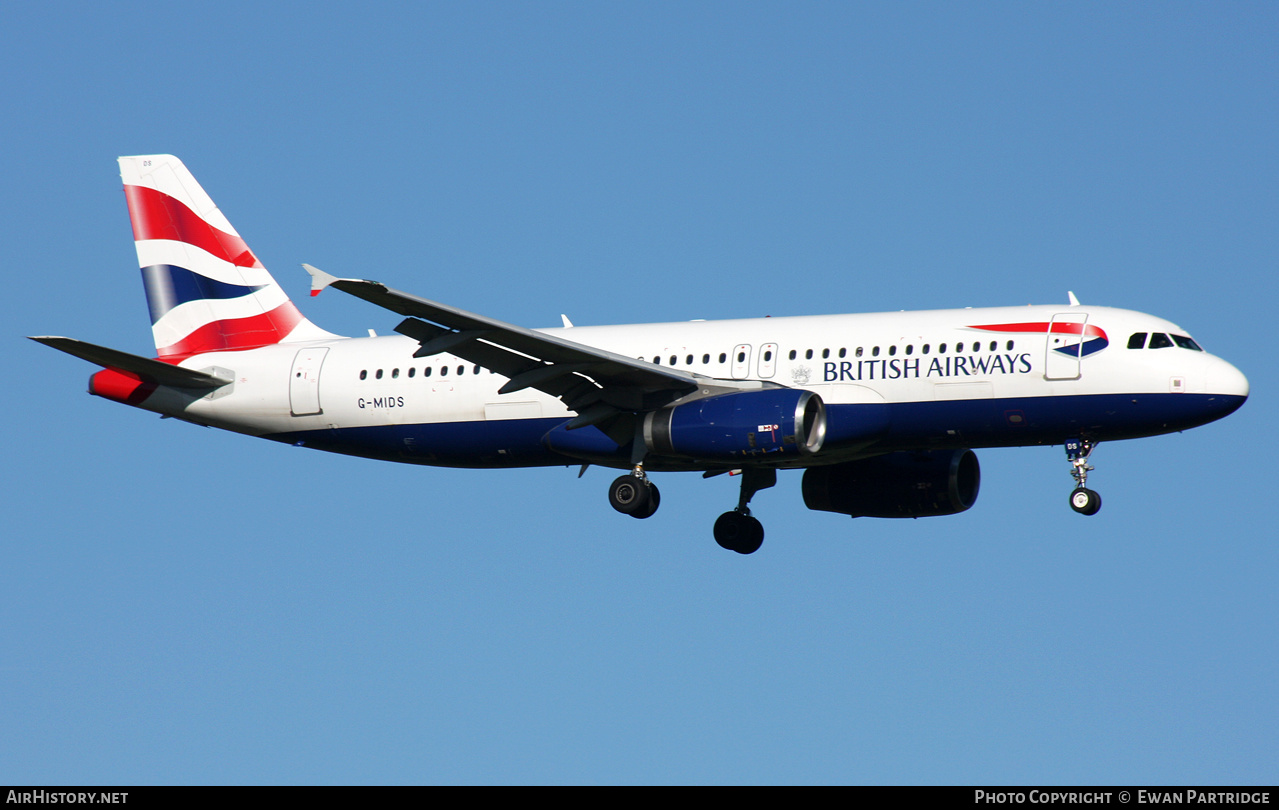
{"points": [[747, 424], [896, 485]]}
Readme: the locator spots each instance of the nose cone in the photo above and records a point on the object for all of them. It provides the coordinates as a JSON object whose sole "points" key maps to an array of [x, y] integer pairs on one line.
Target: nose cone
{"points": [[1227, 380], [1227, 387]]}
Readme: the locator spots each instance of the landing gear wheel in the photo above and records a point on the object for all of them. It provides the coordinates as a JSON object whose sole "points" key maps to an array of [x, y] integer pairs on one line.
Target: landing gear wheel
{"points": [[1085, 501], [1082, 500], [654, 501], [630, 495], [738, 532]]}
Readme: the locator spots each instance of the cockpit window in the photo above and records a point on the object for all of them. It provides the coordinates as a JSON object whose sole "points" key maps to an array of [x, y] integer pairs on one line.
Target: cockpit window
{"points": [[1137, 341], [1186, 342], [1160, 341]]}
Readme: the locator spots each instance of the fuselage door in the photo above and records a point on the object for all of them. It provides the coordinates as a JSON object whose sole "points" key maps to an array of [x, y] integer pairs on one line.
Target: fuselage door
{"points": [[767, 361], [304, 382], [741, 361], [1065, 344]]}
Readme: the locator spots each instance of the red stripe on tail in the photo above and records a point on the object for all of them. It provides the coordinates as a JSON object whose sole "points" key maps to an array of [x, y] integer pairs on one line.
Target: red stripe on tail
{"points": [[156, 215], [236, 334]]}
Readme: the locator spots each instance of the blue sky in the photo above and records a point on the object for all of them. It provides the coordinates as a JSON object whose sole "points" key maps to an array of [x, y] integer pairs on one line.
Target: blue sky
{"points": [[182, 605]]}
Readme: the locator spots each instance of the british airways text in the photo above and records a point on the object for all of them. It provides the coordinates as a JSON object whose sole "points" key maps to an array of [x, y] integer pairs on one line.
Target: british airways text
{"points": [[913, 367]]}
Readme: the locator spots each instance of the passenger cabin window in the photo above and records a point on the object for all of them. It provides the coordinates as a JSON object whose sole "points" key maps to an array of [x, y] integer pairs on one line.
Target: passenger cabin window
{"points": [[843, 352], [1009, 346], [793, 354], [723, 357], [364, 375], [378, 374], [808, 355], [1160, 341], [1137, 340], [706, 359]]}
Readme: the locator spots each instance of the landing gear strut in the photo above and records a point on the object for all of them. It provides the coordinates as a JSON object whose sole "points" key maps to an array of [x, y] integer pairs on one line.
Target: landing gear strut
{"points": [[634, 494], [737, 530], [1082, 500]]}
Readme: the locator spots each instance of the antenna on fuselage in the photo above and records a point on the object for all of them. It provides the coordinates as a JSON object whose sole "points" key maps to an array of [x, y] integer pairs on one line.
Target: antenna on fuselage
{"points": [[1074, 302]]}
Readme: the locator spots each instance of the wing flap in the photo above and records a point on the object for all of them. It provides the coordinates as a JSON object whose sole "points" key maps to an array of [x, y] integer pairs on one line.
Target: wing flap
{"points": [[573, 383]]}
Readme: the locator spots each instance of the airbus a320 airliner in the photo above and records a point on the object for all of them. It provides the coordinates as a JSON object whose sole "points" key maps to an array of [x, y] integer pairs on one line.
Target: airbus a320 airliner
{"points": [[880, 411]]}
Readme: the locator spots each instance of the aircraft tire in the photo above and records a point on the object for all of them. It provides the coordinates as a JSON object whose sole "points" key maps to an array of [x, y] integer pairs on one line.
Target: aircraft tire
{"points": [[1085, 501], [630, 495], [654, 501], [737, 532]]}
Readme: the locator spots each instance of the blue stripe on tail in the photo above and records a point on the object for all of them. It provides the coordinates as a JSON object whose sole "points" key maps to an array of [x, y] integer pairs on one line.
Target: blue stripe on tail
{"points": [[169, 286]]}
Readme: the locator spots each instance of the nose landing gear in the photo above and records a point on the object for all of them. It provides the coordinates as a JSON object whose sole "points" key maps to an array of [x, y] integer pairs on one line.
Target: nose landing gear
{"points": [[1083, 500]]}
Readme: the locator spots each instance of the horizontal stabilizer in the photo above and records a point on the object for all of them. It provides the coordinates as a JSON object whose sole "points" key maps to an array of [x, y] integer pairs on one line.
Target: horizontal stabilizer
{"points": [[149, 370]]}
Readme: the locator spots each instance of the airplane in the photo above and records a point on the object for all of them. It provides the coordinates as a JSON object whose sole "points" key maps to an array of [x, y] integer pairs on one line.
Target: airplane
{"points": [[880, 411]]}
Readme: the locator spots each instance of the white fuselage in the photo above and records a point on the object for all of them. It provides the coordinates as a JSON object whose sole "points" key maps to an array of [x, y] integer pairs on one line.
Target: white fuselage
{"points": [[932, 359]]}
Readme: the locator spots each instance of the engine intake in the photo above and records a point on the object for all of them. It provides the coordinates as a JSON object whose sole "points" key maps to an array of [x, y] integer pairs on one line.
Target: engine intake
{"points": [[896, 485], [782, 421]]}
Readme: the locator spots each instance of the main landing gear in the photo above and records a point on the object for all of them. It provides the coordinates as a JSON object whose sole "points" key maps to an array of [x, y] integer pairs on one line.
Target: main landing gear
{"points": [[1082, 500], [737, 530], [634, 494]]}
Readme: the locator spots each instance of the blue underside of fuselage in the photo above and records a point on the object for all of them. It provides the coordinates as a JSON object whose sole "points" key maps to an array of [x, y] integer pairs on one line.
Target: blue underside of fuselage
{"points": [[973, 423]]}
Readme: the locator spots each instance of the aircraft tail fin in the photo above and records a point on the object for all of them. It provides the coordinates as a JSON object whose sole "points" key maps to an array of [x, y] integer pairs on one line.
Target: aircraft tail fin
{"points": [[205, 288]]}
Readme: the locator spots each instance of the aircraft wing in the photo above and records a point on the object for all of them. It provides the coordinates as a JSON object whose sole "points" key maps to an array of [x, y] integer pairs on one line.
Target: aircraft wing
{"points": [[599, 385]]}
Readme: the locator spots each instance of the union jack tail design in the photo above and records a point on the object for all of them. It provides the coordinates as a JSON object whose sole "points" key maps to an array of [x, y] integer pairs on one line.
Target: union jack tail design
{"points": [[206, 290]]}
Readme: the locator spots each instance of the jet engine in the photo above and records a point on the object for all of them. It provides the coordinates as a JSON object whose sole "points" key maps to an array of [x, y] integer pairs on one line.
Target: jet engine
{"points": [[738, 426], [896, 485]]}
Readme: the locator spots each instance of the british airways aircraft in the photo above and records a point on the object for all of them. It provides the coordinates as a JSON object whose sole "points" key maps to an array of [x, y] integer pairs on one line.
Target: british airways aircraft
{"points": [[880, 411]]}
